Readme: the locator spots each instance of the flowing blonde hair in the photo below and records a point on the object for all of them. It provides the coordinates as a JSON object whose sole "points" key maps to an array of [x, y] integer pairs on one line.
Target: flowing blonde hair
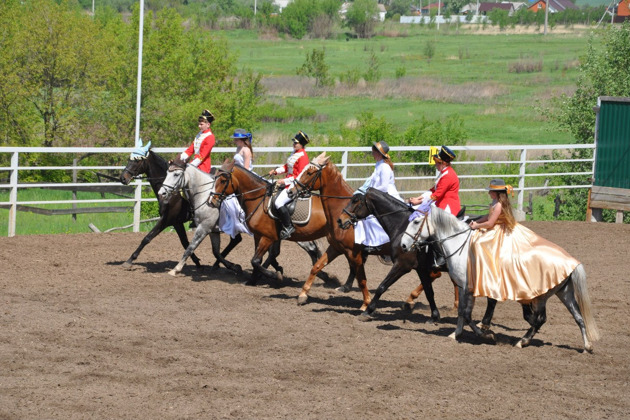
{"points": [[506, 209]]}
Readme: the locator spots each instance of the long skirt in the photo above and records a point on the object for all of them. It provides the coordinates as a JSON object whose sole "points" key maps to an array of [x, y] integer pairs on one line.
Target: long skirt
{"points": [[232, 217], [369, 232], [517, 265]]}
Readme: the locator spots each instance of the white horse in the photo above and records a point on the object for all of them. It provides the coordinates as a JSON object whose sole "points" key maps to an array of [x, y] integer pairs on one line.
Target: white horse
{"points": [[453, 237], [197, 186]]}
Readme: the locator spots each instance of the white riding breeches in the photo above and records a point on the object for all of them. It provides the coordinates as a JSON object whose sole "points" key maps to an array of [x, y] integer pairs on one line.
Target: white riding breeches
{"points": [[283, 197]]}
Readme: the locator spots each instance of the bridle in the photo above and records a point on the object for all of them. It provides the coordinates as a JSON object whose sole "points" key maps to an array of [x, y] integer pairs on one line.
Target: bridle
{"points": [[172, 167], [352, 217], [438, 243], [306, 190], [221, 196]]}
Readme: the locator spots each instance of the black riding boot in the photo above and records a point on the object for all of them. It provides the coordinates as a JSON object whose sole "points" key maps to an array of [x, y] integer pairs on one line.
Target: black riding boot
{"points": [[287, 225], [438, 259]]}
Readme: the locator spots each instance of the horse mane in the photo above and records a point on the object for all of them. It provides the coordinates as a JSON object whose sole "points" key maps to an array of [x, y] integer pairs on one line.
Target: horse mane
{"points": [[338, 178], [446, 222], [400, 204], [251, 174], [159, 160]]}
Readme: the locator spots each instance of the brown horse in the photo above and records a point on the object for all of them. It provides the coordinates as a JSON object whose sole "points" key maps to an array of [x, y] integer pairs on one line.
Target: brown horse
{"points": [[253, 192], [323, 176]]}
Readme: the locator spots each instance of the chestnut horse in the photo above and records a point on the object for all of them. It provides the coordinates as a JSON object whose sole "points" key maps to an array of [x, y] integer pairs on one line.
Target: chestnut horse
{"points": [[253, 192], [323, 176]]}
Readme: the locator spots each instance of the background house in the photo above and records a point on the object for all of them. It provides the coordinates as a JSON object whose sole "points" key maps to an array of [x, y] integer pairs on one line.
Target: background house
{"points": [[555, 6], [484, 8]]}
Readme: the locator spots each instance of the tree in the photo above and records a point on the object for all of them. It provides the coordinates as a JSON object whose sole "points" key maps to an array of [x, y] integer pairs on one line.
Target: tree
{"points": [[315, 66], [62, 66], [362, 17]]}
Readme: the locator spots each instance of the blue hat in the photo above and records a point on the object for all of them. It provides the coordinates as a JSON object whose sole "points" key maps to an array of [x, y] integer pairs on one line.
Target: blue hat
{"points": [[241, 134], [445, 154]]}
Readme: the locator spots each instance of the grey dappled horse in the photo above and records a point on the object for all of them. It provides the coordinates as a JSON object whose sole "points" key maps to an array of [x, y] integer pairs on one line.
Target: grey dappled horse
{"points": [[198, 186], [453, 236]]}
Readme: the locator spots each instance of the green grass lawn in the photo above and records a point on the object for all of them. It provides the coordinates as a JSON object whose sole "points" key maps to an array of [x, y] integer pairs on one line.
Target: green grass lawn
{"points": [[463, 65]]}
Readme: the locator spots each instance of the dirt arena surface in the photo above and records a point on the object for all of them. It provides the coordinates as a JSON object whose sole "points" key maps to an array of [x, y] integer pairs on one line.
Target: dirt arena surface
{"points": [[81, 338]]}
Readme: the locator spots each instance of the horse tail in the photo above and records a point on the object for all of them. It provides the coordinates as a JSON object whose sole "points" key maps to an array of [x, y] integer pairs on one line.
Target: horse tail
{"points": [[584, 302]]}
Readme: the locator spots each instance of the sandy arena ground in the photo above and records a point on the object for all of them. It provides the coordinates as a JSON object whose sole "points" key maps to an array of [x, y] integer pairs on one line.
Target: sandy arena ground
{"points": [[81, 338]]}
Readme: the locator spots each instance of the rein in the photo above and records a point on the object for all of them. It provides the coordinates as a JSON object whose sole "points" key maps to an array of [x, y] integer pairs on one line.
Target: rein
{"points": [[439, 242]]}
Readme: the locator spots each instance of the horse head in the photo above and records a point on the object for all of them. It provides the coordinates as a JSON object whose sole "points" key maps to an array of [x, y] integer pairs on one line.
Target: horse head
{"points": [[310, 178], [418, 231], [137, 162], [356, 209], [175, 179], [224, 184]]}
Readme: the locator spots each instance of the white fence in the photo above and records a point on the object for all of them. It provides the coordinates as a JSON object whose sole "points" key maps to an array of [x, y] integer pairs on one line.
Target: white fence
{"points": [[355, 163]]}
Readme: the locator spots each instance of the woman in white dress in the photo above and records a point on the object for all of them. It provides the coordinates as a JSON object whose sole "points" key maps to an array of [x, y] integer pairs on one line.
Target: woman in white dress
{"points": [[368, 231], [232, 219]]}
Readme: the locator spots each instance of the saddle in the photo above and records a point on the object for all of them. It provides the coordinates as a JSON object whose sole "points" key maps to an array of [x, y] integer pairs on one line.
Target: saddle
{"points": [[299, 208]]}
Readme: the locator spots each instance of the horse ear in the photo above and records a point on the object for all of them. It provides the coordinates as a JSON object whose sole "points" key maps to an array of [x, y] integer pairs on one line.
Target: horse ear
{"points": [[319, 158]]}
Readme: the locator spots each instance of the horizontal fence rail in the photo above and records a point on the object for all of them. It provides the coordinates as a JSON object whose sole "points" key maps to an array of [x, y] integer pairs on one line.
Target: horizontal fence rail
{"points": [[528, 168]]}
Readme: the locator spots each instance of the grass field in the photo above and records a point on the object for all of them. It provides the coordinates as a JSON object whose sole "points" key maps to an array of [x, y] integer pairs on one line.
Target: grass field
{"points": [[474, 75]]}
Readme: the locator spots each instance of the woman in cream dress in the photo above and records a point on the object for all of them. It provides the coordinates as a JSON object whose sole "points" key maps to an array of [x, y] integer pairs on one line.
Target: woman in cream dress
{"points": [[508, 261]]}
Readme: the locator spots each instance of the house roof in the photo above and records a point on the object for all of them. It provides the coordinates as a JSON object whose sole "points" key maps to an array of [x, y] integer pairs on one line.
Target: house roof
{"points": [[486, 7], [557, 5], [434, 5]]}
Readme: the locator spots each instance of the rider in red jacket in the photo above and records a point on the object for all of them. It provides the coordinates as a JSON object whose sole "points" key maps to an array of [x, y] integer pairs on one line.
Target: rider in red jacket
{"points": [[202, 145], [294, 166]]}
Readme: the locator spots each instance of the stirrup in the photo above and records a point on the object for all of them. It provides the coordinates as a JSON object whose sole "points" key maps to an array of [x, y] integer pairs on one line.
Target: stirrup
{"points": [[372, 249], [286, 232]]}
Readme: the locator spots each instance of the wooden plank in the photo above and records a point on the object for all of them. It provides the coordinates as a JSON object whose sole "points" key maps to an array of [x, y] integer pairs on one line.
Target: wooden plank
{"points": [[83, 210], [609, 205]]}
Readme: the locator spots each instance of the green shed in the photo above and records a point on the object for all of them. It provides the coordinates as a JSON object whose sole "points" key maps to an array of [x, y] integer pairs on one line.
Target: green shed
{"points": [[611, 172]]}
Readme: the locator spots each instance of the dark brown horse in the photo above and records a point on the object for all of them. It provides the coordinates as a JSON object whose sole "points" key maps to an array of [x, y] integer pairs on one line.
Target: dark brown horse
{"points": [[253, 193], [323, 176]]}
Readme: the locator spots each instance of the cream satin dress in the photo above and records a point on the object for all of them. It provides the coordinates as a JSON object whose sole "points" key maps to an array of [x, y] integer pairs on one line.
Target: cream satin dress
{"points": [[517, 265]]}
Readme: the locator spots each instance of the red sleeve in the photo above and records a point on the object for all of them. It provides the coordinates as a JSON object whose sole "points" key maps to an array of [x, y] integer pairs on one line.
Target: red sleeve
{"points": [[191, 149]]}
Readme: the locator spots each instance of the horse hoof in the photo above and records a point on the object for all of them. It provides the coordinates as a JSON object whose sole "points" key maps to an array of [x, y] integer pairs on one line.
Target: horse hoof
{"points": [[364, 317], [127, 265], [519, 345], [302, 299], [452, 335], [435, 317], [588, 348], [237, 269], [343, 289], [173, 273], [279, 276], [407, 308], [482, 326]]}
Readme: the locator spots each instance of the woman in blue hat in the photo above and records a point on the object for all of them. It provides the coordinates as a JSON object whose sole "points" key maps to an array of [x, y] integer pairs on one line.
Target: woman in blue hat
{"points": [[368, 231], [232, 216], [445, 192], [506, 260]]}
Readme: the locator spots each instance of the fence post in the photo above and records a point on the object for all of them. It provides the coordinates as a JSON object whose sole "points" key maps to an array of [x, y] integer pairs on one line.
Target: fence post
{"points": [[137, 205], [344, 165], [13, 181], [521, 179], [75, 162]]}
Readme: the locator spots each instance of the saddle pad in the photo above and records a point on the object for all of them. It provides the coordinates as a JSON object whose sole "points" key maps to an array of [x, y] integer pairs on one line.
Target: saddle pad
{"points": [[301, 215]]}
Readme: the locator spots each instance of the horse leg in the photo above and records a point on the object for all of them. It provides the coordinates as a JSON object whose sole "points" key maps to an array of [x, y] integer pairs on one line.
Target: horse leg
{"points": [[183, 238], [233, 242], [535, 313], [313, 251], [410, 302], [396, 272], [361, 279], [215, 240], [464, 316], [329, 255], [426, 281], [567, 295], [347, 286], [200, 234], [487, 316], [272, 257], [159, 227], [263, 246]]}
